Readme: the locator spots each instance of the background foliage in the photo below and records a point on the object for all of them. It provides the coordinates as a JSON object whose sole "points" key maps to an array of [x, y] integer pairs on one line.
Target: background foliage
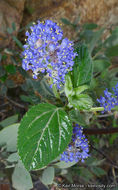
{"points": [[19, 92]]}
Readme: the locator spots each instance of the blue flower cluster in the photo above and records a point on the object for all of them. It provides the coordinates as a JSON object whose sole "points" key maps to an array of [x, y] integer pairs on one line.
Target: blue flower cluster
{"points": [[78, 149], [46, 51], [109, 100]]}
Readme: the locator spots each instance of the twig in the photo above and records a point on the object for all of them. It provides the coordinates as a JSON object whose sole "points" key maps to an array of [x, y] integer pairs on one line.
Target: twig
{"points": [[104, 155], [105, 115], [100, 131], [15, 103], [3, 104]]}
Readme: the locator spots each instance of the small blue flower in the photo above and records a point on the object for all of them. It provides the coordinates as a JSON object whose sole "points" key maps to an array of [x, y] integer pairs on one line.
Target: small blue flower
{"points": [[78, 149], [46, 51], [109, 100], [115, 90]]}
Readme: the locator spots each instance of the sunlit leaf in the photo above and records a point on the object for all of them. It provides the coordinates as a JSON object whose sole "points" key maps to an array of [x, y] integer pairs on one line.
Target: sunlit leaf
{"points": [[83, 68], [82, 101], [44, 133]]}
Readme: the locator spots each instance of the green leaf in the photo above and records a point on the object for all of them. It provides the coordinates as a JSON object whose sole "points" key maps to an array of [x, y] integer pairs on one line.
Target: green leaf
{"points": [[26, 27], [112, 40], [8, 136], [3, 90], [80, 89], [112, 138], [69, 90], [23, 72], [85, 174], [13, 158], [13, 26], [66, 21], [112, 185], [44, 133], [14, 60], [67, 175], [26, 99], [19, 44], [97, 162], [90, 26], [63, 164], [21, 178], [43, 88], [89, 161], [82, 69], [48, 176], [86, 36], [95, 39], [98, 171], [2, 71], [77, 117], [81, 102], [112, 51], [9, 120], [10, 69], [9, 30], [10, 83], [4, 57], [0, 57], [100, 65], [68, 86]]}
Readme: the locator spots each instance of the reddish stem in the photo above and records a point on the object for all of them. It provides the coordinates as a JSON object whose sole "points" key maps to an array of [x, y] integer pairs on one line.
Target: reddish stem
{"points": [[100, 131]]}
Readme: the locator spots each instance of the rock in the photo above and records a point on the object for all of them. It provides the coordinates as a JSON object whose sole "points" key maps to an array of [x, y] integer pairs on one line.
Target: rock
{"points": [[18, 4], [102, 12], [51, 9], [11, 11]]}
